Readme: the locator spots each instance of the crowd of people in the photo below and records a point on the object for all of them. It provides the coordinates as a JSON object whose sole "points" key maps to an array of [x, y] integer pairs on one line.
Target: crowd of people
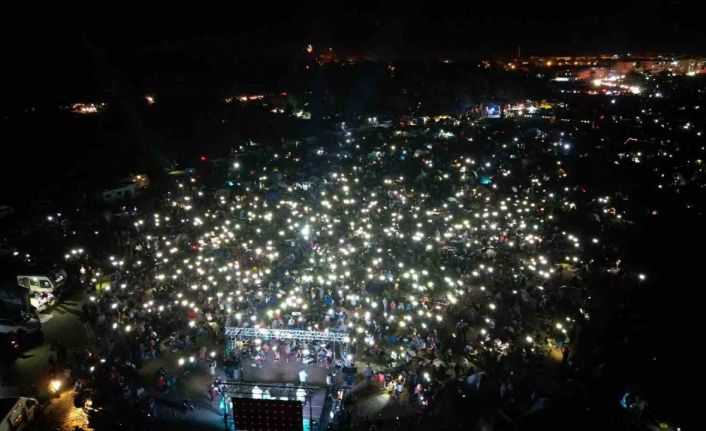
{"points": [[451, 271]]}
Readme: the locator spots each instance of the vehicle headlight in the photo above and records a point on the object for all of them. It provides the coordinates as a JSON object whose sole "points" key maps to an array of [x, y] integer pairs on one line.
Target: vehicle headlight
{"points": [[55, 385]]}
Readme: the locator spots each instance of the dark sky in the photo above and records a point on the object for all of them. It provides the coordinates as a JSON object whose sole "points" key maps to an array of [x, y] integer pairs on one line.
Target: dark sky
{"points": [[474, 26], [47, 44]]}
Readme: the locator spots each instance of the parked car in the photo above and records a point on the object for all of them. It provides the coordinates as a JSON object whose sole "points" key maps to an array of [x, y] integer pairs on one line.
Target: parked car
{"points": [[19, 325], [10, 348], [17, 412]]}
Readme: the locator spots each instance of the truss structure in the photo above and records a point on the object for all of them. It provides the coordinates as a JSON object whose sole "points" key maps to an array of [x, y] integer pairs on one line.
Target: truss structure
{"points": [[287, 334], [244, 389]]}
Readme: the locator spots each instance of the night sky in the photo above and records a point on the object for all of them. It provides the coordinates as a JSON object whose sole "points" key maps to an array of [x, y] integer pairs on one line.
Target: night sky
{"points": [[48, 46]]}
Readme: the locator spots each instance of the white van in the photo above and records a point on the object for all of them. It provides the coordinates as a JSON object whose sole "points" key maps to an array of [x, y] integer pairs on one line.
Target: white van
{"points": [[17, 413], [43, 283], [36, 283]]}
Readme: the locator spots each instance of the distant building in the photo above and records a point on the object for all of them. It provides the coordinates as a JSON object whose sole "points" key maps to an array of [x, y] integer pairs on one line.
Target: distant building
{"points": [[127, 191], [682, 66], [492, 110], [88, 108], [131, 187]]}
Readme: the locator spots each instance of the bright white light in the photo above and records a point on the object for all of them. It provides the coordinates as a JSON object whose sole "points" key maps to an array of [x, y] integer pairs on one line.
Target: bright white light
{"points": [[55, 385]]}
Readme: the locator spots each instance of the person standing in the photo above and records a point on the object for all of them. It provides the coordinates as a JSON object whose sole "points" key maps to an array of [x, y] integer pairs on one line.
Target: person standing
{"points": [[368, 373], [212, 392], [565, 355]]}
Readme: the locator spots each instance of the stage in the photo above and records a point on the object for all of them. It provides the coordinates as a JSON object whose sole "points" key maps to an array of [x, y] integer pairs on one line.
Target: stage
{"points": [[260, 400]]}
